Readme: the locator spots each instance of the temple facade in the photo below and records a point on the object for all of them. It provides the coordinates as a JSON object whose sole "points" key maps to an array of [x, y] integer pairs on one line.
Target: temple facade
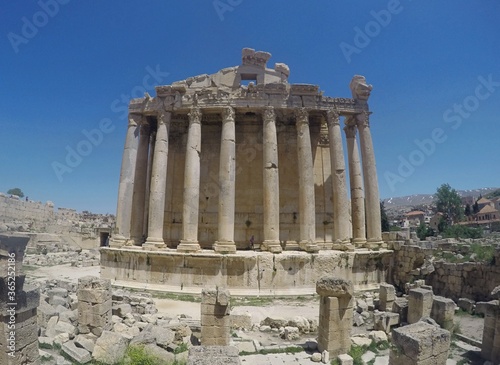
{"points": [[242, 159]]}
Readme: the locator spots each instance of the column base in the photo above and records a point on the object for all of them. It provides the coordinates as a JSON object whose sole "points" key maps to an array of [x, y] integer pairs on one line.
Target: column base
{"points": [[136, 241], [224, 247], [373, 243], [292, 246], [271, 246], [358, 242], [188, 246], [117, 241], [154, 242], [345, 245], [308, 246]]}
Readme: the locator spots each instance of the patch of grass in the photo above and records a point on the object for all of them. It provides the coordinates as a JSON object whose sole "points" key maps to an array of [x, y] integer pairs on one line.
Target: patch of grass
{"points": [[377, 347], [181, 348], [356, 352], [179, 297], [27, 268], [335, 361], [457, 328]]}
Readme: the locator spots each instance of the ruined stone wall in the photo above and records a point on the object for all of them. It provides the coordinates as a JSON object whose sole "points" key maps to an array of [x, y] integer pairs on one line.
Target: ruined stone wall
{"points": [[25, 213], [407, 264]]}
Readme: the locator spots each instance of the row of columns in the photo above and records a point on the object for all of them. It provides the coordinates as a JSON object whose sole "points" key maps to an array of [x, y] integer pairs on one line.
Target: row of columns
{"points": [[143, 183]]}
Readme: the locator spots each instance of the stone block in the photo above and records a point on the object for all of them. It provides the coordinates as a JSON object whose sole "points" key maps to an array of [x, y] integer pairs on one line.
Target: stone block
{"points": [[384, 321], [213, 355], [79, 355], [110, 348], [443, 312], [400, 306], [334, 287], [419, 343], [466, 305], [419, 304], [241, 321], [345, 359]]}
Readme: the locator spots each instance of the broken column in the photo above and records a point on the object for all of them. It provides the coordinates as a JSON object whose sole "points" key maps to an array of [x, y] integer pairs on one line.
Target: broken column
{"points": [[215, 320], [490, 349], [419, 344], [18, 306], [94, 305], [419, 304], [443, 312], [335, 315], [387, 296]]}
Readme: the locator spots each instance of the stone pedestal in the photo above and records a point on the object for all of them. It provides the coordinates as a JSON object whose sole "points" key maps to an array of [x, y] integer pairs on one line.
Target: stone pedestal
{"points": [[419, 344], [387, 296], [215, 319], [18, 306], [490, 349], [419, 304], [335, 315], [443, 312], [94, 305]]}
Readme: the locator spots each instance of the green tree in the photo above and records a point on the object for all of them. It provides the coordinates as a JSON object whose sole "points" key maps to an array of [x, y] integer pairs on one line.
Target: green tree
{"points": [[449, 203], [16, 191], [475, 208], [468, 210], [384, 219], [423, 231]]}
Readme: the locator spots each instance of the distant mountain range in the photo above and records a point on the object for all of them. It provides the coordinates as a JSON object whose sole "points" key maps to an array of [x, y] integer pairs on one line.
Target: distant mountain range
{"points": [[412, 200]]}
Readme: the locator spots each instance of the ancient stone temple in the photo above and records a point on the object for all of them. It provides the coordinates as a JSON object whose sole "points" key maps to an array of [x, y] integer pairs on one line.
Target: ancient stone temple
{"points": [[242, 159]]}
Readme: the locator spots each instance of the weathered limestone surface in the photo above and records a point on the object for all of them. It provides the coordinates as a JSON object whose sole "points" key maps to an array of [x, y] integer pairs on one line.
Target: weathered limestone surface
{"points": [[419, 304], [490, 349], [443, 312], [215, 320], [335, 315], [387, 296], [419, 344], [18, 306], [213, 355], [94, 305]]}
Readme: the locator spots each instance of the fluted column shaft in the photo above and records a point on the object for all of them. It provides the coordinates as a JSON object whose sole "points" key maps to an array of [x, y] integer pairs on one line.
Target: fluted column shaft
{"points": [[341, 229], [271, 184], [227, 183], [138, 200], [372, 198], [158, 182], [357, 198], [189, 241], [126, 185], [152, 140], [307, 207]]}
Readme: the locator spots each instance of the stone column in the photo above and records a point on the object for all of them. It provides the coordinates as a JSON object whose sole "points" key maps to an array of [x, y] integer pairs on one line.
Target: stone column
{"points": [[356, 182], [94, 305], [419, 304], [372, 197], [158, 182], [341, 231], [126, 186], [215, 320], [419, 344], [271, 184], [307, 205], [489, 345], [152, 140], [227, 184], [335, 315], [189, 241], [18, 306], [139, 197]]}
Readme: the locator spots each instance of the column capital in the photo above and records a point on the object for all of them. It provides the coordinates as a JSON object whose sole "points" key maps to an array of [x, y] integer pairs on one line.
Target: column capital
{"points": [[228, 114], [195, 115], [363, 120], [164, 117], [269, 115], [350, 131], [332, 117], [134, 119], [301, 115]]}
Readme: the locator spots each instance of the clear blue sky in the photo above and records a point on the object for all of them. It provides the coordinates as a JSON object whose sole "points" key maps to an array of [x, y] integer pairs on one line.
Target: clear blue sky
{"points": [[63, 70]]}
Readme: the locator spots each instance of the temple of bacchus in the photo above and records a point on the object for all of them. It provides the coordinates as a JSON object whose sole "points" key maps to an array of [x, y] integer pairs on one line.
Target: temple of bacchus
{"points": [[225, 176]]}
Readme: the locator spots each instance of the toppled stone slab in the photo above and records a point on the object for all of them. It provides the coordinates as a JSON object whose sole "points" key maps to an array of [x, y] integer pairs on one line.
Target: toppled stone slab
{"points": [[213, 355], [334, 287]]}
